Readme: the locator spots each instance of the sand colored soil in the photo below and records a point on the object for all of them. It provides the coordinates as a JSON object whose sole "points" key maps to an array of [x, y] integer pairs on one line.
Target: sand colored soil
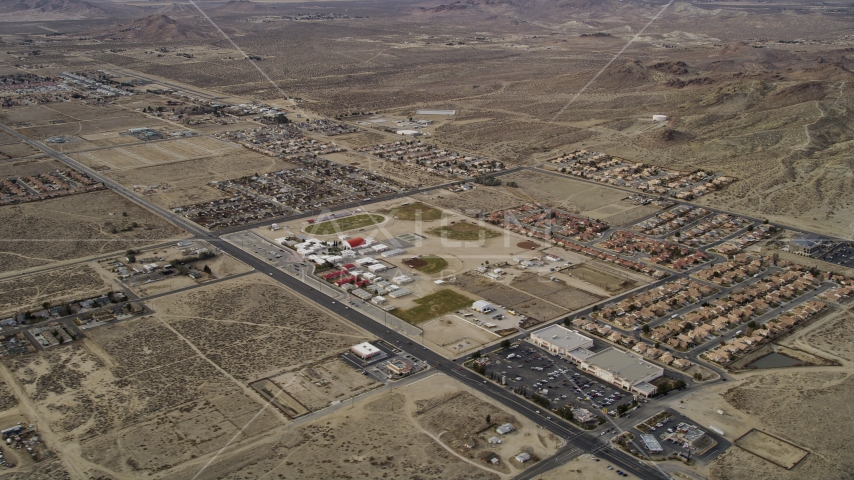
{"points": [[54, 286]]}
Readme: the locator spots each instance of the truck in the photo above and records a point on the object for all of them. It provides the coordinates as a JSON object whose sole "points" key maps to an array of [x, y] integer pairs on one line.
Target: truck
{"points": [[716, 430]]}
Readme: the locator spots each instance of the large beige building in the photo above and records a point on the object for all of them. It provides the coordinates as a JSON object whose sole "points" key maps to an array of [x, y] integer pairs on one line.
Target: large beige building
{"points": [[627, 371], [564, 342]]}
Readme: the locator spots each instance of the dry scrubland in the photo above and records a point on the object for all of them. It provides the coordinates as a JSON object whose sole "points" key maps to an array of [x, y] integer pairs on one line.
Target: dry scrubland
{"points": [[808, 407], [189, 180], [76, 226], [135, 397], [254, 328], [53, 286], [414, 431]]}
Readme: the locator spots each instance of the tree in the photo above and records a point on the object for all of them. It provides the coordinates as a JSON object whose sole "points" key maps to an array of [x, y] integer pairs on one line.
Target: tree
{"points": [[657, 344], [475, 355], [45, 304], [646, 329], [207, 269], [488, 419], [698, 376], [505, 344], [751, 325], [124, 214], [750, 228], [131, 258]]}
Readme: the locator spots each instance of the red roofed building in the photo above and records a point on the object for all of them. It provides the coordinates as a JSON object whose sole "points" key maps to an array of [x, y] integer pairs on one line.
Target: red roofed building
{"points": [[354, 242]]}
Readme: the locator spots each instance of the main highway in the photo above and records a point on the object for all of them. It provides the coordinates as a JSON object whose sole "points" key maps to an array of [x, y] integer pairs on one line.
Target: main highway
{"points": [[577, 441]]}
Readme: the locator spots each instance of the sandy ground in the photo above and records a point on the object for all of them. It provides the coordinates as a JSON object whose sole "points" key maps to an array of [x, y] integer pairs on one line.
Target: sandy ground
{"points": [[393, 433], [253, 327], [579, 468], [28, 292], [76, 226], [802, 405]]}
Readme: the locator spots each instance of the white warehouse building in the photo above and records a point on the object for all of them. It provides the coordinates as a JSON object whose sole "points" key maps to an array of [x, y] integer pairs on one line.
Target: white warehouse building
{"points": [[627, 371], [562, 341], [482, 306]]}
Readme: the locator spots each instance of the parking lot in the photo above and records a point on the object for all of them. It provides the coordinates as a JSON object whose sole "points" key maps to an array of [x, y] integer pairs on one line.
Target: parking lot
{"points": [[378, 368], [556, 379], [841, 254]]}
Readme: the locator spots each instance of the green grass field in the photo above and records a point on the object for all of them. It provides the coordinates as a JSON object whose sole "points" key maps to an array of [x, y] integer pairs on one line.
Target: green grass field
{"points": [[435, 264], [410, 212], [344, 224], [463, 231], [434, 305]]}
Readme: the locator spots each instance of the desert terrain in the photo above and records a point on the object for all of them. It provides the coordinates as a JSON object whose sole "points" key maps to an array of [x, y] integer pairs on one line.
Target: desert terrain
{"points": [[241, 377]]}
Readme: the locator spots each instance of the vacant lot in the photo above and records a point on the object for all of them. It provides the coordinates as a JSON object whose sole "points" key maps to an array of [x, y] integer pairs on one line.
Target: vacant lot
{"points": [[344, 224], [21, 168], [464, 231], [433, 305], [805, 416], [479, 200], [396, 434], [771, 448], [253, 328], [135, 399], [452, 335], [555, 291], [54, 286], [188, 182], [601, 278], [318, 384], [76, 226]]}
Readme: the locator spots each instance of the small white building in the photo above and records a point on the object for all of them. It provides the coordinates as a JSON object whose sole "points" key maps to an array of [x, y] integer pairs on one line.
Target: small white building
{"points": [[380, 247], [365, 351], [482, 306], [377, 267], [378, 300], [523, 457], [401, 279]]}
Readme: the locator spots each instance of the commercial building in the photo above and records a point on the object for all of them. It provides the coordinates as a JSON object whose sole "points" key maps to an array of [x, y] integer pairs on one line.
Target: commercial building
{"points": [[366, 351], [563, 341], [627, 371], [399, 367], [482, 306]]}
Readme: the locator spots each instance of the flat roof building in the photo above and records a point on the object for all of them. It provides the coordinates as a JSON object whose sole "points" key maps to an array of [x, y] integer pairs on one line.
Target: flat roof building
{"points": [[366, 351], [482, 306], [624, 370], [563, 341]]}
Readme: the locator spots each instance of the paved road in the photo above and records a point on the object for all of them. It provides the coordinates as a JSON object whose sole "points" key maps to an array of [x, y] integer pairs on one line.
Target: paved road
{"points": [[583, 442]]}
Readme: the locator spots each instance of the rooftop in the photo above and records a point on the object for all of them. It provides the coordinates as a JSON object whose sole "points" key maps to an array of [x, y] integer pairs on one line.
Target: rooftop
{"points": [[630, 367], [563, 337]]}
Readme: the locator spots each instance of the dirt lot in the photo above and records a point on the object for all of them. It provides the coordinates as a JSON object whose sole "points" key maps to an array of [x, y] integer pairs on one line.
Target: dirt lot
{"points": [[133, 397], [804, 415], [579, 468], [254, 328], [557, 292], [481, 199], [835, 337], [601, 278], [396, 433], [33, 166], [595, 201], [54, 286], [395, 170], [188, 180], [522, 302], [452, 336], [771, 448], [314, 386], [76, 226]]}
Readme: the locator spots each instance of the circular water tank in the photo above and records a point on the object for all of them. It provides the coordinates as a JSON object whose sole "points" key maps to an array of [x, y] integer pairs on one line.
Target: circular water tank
{"points": [[659, 118]]}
